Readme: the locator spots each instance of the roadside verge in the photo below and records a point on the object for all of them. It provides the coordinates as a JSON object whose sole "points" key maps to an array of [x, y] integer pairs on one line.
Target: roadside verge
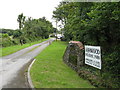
{"points": [[49, 70]]}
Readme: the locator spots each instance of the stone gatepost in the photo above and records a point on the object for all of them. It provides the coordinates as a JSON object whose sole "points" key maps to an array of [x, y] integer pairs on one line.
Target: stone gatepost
{"points": [[74, 55]]}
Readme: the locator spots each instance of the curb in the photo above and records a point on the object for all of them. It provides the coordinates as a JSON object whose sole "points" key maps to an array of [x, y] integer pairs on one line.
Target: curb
{"points": [[28, 76], [28, 73]]}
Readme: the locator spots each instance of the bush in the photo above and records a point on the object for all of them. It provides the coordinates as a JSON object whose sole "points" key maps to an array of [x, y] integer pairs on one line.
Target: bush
{"points": [[6, 40]]}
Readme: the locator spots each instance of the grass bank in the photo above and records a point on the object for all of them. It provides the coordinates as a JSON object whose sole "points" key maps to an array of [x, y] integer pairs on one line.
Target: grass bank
{"points": [[9, 50], [49, 71]]}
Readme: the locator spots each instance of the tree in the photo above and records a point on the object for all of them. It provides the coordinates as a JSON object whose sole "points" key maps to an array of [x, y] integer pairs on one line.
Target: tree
{"points": [[35, 29], [21, 20], [95, 24]]}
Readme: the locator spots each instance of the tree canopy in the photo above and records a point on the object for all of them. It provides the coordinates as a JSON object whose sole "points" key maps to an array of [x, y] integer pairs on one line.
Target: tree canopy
{"points": [[33, 29], [29, 30], [95, 24]]}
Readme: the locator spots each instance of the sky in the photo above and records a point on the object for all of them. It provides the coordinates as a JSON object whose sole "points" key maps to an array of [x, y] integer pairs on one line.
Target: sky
{"points": [[10, 9]]}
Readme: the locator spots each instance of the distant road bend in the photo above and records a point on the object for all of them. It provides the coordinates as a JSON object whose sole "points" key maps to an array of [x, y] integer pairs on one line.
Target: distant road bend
{"points": [[13, 67]]}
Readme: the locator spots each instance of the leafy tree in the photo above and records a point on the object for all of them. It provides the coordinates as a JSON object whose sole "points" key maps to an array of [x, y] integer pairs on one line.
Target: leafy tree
{"points": [[35, 29], [94, 24], [21, 20]]}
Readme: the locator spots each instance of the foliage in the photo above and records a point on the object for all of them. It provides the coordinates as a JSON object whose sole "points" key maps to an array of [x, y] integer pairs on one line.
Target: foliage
{"points": [[33, 29], [37, 28], [95, 24], [6, 40], [29, 30], [21, 20], [8, 31]]}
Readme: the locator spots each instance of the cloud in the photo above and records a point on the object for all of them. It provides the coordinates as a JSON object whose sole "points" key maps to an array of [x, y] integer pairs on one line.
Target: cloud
{"points": [[10, 9]]}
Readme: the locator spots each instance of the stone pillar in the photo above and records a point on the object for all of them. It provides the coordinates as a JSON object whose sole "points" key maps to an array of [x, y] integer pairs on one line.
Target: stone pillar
{"points": [[74, 55], [80, 59]]}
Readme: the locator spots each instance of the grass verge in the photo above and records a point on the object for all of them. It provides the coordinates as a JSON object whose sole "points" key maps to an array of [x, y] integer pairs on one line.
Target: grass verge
{"points": [[49, 71], [9, 50]]}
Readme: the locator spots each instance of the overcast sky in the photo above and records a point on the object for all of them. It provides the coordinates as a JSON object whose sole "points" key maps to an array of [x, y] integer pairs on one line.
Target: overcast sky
{"points": [[10, 9]]}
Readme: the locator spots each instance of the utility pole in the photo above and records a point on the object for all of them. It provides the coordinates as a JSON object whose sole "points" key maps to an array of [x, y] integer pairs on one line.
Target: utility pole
{"points": [[56, 29]]}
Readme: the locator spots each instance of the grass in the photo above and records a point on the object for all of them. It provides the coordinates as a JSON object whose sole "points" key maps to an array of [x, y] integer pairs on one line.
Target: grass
{"points": [[49, 71], [9, 50]]}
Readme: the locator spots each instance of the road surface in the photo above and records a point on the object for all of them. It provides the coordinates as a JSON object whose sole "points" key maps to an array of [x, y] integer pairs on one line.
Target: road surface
{"points": [[14, 66]]}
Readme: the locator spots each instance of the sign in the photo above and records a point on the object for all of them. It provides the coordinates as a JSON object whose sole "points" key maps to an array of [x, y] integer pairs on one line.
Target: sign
{"points": [[93, 56]]}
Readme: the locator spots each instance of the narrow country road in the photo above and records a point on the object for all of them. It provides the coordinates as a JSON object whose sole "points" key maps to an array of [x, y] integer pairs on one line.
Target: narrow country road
{"points": [[14, 66]]}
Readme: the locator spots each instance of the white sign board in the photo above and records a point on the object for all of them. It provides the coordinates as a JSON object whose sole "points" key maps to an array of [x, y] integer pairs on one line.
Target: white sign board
{"points": [[93, 56]]}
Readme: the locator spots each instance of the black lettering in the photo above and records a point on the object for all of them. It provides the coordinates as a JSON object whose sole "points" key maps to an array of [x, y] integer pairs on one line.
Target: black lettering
{"points": [[92, 50], [96, 57]]}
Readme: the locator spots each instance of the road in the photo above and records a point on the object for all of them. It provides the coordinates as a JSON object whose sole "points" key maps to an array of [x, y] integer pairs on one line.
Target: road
{"points": [[14, 66]]}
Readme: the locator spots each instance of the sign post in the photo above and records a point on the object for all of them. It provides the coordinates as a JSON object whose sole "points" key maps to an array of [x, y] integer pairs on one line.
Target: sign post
{"points": [[93, 56]]}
